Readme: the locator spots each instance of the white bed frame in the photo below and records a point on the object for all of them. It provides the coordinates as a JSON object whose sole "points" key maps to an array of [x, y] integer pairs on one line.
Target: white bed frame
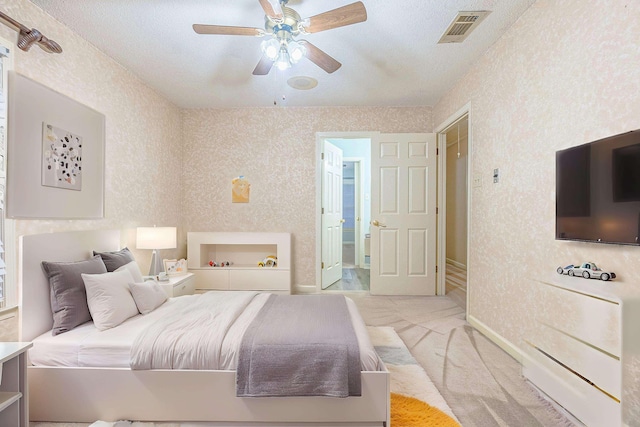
{"points": [[59, 394]]}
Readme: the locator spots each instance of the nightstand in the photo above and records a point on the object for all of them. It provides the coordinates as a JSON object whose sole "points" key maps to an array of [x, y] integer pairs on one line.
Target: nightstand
{"points": [[14, 403], [179, 285]]}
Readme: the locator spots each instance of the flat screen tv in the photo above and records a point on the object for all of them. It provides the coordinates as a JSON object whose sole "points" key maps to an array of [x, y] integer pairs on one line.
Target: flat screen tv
{"points": [[598, 191]]}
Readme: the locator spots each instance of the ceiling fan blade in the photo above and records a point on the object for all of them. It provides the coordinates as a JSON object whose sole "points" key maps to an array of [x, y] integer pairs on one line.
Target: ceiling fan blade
{"points": [[320, 58], [263, 67], [225, 30], [346, 15], [272, 8]]}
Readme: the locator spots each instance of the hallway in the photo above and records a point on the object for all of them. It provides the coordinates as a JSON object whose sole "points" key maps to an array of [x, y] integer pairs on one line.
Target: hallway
{"points": [[456, 284], [353, 278]]}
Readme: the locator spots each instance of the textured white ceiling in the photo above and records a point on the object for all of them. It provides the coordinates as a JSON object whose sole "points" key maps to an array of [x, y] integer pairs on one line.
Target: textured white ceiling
{"points": [[392, 59]]}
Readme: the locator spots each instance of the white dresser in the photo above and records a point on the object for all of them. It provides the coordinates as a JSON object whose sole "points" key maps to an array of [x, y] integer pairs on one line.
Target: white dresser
{"points": [[244, 251], [584, 352]]}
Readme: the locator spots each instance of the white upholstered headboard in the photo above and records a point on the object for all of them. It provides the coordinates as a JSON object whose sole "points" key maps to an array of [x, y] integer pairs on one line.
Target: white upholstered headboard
{"points": [[35, 306]]}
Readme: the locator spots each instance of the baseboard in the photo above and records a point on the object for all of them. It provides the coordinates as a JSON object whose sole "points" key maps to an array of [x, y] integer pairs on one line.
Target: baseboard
{"points": [[500, 341], [304, 289], [456, 263]]}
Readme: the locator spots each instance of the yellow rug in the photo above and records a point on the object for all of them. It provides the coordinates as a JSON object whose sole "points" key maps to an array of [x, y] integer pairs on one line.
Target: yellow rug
{"points": [[409, 412]]}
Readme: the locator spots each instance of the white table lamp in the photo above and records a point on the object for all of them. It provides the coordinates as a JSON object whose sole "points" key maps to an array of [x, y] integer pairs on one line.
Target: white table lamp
{"points": [[156, 238]]}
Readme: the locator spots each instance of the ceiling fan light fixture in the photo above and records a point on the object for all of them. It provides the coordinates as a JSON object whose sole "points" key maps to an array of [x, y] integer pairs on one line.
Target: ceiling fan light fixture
{"points": [[282, 25], [271, 48], [296, 51], [284, 61]]}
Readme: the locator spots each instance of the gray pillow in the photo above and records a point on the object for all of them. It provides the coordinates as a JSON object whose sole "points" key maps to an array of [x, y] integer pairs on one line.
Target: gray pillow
{"points": [[115, 260], [68, 295]]}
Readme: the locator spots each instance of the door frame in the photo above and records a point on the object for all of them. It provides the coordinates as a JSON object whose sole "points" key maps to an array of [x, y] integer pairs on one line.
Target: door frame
{"points": [[320, 137], [441, 239]]}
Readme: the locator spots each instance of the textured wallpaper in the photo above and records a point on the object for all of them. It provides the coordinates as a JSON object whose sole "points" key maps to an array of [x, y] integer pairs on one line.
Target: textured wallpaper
{"points": [[143, 155], [566, 73], [275, 149]]}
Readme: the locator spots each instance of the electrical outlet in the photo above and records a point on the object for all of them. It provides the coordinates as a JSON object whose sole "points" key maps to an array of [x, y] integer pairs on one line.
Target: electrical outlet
{"points": [[477, 181]]}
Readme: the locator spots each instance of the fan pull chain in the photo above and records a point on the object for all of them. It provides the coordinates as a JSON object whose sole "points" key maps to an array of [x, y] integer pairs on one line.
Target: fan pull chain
{"points": [[278, 87]]}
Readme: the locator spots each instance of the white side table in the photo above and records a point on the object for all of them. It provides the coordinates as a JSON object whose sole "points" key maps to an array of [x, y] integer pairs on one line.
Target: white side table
{"points": [[179, 285], [14, 396]]}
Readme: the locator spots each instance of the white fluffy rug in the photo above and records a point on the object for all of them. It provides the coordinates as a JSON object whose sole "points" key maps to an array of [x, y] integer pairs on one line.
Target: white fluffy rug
{"points": [[407, 378]]}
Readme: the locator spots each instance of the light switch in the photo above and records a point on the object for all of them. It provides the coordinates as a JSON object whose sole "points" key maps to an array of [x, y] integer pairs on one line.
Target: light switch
{"points": [[496, 175]]}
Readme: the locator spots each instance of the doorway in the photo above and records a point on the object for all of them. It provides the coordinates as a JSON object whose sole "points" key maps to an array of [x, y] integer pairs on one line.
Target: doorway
{"points": [[401, 220], [356, 208], [355, 267], [454, 224]]}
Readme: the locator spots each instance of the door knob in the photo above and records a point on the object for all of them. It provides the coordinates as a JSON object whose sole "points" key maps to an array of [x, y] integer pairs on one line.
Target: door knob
{"points": [[377, 223], [342, 221]]}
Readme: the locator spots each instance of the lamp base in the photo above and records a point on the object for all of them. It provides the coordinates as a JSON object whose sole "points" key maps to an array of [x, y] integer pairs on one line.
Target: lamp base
{"points": [[156, 264]]}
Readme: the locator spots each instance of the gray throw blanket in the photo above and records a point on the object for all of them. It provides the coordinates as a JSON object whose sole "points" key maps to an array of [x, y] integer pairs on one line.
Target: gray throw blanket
{"points": [[300, 345]]}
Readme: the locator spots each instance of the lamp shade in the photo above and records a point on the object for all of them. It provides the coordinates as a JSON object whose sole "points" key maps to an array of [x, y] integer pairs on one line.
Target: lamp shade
{"points": [[156, 238]]}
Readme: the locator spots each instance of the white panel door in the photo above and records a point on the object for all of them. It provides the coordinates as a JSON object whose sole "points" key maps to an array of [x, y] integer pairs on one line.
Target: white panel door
{"points": [[331, 214], [403, 214]]}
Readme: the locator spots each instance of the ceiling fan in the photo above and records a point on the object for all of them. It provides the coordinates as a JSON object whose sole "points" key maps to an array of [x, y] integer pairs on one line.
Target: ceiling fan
{"points": [[283, 25]]}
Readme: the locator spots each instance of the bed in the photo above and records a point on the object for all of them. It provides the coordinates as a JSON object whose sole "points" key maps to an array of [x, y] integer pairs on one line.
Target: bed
{"points": [[103, 387]]}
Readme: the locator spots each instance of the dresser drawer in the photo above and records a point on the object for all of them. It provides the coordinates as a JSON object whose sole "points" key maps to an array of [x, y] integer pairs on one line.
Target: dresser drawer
{"points": [[214, 279], [185, 287], [583, 317], [264, 279], [585, 401], [602, 369]]}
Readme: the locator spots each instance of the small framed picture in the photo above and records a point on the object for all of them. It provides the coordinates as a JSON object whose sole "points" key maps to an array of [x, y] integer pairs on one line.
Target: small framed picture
{"points": [[174, 267]]}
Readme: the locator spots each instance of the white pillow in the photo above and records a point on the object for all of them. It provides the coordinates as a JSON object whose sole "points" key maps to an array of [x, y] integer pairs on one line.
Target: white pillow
{"points": [[148, 296], [109, 299], [133, 268]]}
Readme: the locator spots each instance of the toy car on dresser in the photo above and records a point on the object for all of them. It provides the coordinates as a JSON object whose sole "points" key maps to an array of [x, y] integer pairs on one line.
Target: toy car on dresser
{"points": [[588, 270]]}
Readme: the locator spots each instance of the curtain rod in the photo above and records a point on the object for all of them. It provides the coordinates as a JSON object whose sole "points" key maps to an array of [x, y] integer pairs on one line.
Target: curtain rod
{"points": [[27, 37]]}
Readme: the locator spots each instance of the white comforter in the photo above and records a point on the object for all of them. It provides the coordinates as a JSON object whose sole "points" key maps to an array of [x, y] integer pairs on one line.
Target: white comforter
{"points": [[86, 346], [193, 334]]}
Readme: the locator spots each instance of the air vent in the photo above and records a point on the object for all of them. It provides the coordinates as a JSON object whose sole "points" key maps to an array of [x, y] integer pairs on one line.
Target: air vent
{"points": [[462, 25]]}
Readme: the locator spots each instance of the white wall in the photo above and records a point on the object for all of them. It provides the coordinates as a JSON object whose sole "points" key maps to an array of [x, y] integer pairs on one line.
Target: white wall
{"points": [[567, 72]]}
